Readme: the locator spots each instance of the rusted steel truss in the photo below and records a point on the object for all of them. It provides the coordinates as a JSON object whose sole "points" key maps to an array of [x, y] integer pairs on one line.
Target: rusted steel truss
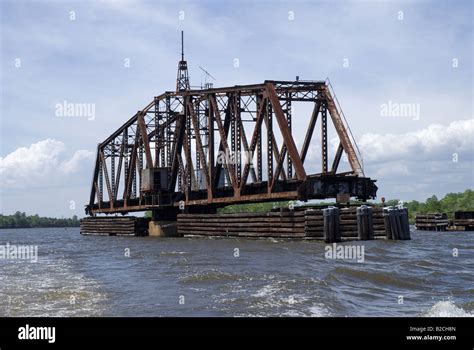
{"points": [[226, 145]]}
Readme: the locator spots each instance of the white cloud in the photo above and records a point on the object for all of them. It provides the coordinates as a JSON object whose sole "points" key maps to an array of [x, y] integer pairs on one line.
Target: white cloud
{"points": [[74, 163], [418, 164], [430, 143], [43, 162], [392, 169]]}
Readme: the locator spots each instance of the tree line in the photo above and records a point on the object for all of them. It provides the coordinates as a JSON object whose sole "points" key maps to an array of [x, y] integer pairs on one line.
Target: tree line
{"points": [[21, 220]]}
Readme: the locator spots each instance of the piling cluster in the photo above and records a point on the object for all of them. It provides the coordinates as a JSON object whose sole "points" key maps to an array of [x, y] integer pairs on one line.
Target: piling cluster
{"points": [[336, 223], [396, 223]]}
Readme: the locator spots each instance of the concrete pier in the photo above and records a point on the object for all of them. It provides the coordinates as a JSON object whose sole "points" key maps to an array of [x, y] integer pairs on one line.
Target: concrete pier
{"points": [[163, 229]]}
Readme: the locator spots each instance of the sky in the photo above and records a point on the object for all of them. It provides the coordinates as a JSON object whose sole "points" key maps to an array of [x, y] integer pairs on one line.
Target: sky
{"points": [[402, 71]]}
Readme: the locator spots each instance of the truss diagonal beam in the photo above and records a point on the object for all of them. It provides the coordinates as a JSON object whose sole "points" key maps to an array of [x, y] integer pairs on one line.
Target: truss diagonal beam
{"points": [[286, 133]]}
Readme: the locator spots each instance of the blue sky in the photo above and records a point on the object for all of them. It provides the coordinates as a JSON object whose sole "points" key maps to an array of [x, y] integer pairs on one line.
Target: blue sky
{"points": [[373, 52]]}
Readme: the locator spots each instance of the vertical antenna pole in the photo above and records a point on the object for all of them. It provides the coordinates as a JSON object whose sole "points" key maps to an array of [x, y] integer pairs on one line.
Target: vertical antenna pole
{"points": [[182, 46]]}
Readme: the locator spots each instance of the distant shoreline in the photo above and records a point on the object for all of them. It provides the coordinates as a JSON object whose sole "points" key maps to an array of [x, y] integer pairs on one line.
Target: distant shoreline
{"points": [[16, 228], [21, 220]]}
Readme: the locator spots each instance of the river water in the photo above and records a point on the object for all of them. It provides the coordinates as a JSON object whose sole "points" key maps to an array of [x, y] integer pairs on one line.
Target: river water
{"points": [[431, 275]]}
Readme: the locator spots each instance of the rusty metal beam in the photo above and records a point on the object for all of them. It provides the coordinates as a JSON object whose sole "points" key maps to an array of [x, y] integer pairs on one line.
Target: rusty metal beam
{"points": [[176, 151], [199, 146], [324, 140], [225, 146], [310, 131], [119, 169], [342, 133], [146, 144], [255, 137], [279, 166], [287, 137], [107, 180], [213, 104], [271, 142], [131, 171], [211, 155], [94, 179], [337, 158]]}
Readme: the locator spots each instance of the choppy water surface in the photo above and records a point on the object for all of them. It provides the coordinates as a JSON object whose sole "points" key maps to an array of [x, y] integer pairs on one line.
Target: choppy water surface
{"points": [[92, 276]]}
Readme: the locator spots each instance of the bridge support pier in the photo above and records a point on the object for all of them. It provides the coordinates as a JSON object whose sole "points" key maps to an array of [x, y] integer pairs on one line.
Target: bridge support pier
{"points": [[163, 223], [163, 229]]}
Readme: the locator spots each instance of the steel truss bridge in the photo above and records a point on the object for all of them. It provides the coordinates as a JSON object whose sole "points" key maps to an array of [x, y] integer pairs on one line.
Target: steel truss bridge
{"points": [[206, 148]]}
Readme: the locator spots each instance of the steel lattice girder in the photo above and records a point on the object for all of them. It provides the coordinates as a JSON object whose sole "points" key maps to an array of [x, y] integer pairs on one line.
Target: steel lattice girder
{"points": [[199, 137]]}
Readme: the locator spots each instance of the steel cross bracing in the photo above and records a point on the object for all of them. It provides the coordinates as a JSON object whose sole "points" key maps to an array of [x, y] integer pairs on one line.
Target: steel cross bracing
{"points": [[225, 145]]}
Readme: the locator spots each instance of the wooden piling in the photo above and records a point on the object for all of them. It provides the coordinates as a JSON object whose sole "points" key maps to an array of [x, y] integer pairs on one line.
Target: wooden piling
{"points": [[331, 230], [391, 228], [396, 223], [365, 228], [405, 225]]}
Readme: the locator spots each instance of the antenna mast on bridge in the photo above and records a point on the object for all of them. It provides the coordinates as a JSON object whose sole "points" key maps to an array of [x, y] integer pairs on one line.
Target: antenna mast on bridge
{"points": [[182, 79]]}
